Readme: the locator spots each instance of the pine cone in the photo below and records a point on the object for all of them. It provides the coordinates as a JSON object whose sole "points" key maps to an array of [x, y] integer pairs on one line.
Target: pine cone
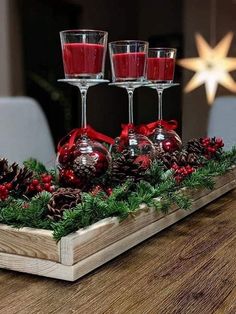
{"points": [[195, 146], [19, 177], [63, 199], [21, 181], [85, 166], [180, 158], [125, 167], [7, 172]]}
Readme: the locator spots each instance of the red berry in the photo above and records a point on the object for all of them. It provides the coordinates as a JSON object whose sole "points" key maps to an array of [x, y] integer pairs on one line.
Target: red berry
{"points": [[51, 189], [109, 191], [47, 186], [31, 187], [9, 186], [2, 188], [175, 166], [178, 178], [47, 179], [35, 182], [219, 142], [39, 188], [190, 170]]}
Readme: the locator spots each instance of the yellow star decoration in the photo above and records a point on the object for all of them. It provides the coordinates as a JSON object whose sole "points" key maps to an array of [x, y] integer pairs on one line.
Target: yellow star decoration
{"points": [[212, 67]]}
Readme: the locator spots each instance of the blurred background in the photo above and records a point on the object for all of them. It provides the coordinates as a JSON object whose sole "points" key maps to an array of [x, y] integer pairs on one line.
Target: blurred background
{"points": [[31, 62]]}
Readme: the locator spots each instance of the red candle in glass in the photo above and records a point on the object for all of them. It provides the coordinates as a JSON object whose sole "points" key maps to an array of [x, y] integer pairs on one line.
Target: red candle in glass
{"points": [[160, 69], [129, 65], [82, 58]]}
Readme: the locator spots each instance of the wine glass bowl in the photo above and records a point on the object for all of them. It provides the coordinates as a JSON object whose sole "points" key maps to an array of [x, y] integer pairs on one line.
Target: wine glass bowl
{"points": [[128, 60], [83, 53], [161, 65], [136, 144], [165, 140], [85, 160]]}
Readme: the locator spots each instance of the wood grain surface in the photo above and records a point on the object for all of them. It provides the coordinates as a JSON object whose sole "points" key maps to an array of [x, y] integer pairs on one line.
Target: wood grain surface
{"points": [[30, 242], [187, 268]]}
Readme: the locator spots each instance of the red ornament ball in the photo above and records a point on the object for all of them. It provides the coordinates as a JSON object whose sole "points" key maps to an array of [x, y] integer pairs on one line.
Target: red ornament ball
{"points": [[87, 159], [166, 140], [170, 145], [68, 178]]}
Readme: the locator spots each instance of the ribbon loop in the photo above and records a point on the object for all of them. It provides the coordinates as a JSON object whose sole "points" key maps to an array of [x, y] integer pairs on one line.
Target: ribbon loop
{"points": [[147, 129], [75, 133]]}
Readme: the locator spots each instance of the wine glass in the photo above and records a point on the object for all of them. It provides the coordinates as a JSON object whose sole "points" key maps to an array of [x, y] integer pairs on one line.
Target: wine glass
{"points": [[81, 157], [160, 74], [128, 64]]}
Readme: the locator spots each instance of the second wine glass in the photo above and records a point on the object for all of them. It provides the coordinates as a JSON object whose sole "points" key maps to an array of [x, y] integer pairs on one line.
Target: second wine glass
{"points": [[128, 63]]}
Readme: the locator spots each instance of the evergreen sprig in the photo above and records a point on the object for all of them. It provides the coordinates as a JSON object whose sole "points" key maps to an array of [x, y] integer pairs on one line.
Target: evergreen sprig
{"points": [[35, 166], [158, 189], [19, 213]]}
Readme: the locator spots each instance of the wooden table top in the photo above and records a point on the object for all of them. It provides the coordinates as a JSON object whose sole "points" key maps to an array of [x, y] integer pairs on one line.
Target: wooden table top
{"points": [[188, 268]]}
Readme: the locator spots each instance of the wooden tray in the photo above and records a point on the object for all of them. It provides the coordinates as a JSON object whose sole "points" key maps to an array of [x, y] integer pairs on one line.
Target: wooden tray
{"points": [[35, 251]]}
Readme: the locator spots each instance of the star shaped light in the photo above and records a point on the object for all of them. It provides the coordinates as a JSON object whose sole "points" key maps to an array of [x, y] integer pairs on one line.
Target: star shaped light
{"points": [[212, 67]]}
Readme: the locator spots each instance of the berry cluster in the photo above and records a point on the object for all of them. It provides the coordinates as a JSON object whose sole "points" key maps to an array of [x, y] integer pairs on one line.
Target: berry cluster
{"points": [[98, 188], [4, 191], [181, 172], [43, 183], [211, 145]]}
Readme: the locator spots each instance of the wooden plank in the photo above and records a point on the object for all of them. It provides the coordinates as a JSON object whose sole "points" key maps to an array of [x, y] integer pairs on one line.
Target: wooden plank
{"points": [[79, 245], [37, 243], [36, 266]]}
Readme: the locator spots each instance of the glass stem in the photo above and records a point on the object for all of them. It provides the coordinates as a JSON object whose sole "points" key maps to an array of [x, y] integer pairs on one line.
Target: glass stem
{"points": [[83, 92], [131, 111], [160, 93]]}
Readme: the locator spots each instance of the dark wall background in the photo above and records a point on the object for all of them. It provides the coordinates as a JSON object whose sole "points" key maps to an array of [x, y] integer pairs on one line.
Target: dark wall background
{"points": [[158, 21]]}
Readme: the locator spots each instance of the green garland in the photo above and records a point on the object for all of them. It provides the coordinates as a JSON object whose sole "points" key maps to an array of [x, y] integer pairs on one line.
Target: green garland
{"points": [[158, 190]]}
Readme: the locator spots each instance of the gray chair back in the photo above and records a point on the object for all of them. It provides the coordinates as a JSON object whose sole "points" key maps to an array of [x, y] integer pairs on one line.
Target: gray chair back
{"points": [[24, 131], [222, 120]]}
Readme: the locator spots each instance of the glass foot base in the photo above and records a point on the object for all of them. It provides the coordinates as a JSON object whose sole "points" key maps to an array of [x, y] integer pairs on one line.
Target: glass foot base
{"points": [[83, 82]]}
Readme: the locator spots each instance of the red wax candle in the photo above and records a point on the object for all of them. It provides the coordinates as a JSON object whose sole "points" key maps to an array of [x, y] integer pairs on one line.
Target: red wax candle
{"points": [[82, 58], [129, 65], [160, 69]]}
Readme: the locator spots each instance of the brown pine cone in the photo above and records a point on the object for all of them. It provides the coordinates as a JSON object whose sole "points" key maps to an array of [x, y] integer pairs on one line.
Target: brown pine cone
{"points": [[18, 177], [84, 166], [124, 166], [195, 146], [7, 172], [63, 199], [21, 181], [180, 158]]}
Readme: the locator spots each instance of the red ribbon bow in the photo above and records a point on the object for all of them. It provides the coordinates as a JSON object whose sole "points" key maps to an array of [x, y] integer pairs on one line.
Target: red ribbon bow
{"points": [[148, 129], [74, 134]]}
